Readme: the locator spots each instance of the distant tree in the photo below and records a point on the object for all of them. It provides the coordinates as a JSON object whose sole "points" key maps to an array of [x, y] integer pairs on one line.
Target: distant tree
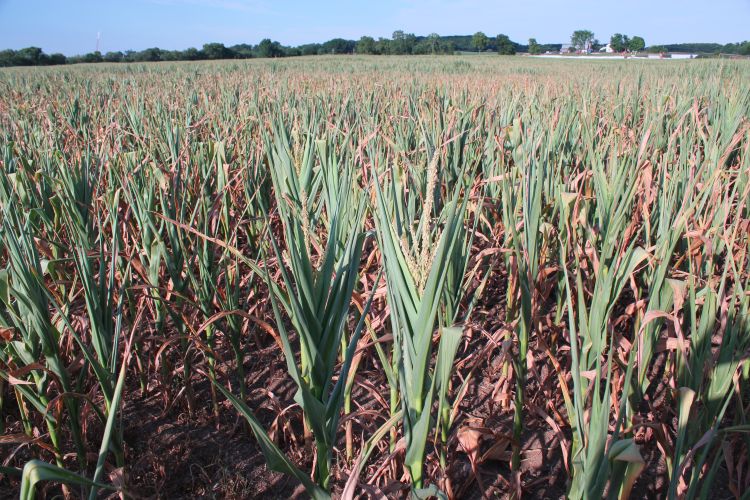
{"points": [[339, 46], [534, 47], [30, 56], [148, 55], [93, 57], [241, 51], [268, 48], [384, 46], [582, 39], [365, 45], [421, 48], [504, 46], [216, 51], [56, 58], [551, 47], [113, 56], [310, 49], [657, 49], [7, 58], [480, 41], [170, 55], [402, 43], [744, 49], [191, 54], [410, 40], [696, 48], [619, 42], [636, 44], [433, 42], [397, 45]]}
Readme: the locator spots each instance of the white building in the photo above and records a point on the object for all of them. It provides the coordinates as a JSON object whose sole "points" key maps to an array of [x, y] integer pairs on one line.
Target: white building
{"points": [[607, 48]]}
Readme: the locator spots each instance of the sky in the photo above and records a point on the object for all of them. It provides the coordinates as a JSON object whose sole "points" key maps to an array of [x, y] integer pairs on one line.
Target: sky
{"points": [[71, 26]]}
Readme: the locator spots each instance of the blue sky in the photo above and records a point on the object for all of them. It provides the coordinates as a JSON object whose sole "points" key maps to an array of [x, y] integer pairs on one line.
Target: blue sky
{"points": [[71, 26]]}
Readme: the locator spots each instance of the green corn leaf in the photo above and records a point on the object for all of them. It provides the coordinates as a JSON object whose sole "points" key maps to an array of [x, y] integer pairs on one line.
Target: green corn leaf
{"points": [[36, 471], [275, 458]]}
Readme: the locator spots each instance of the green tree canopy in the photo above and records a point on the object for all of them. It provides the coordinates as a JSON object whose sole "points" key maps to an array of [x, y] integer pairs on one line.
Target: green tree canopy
{"points": [[152, 54], [30, 56], [534, 47], [56, 58], [93, 57], [504, 46], [636, 43], [433, 42], [268, 48], [402, 43], [191, 54], [310, 49], [582, 39], [113, 56], [365, 45], [479, 41], [339, 46], [619, 42], [241, 51], [215, 51]]}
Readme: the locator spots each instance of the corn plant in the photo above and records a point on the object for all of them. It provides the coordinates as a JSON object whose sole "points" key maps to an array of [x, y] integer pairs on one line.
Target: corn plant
{"points": [[595, 452], [415, 277], [43, 318], [315, 296]]}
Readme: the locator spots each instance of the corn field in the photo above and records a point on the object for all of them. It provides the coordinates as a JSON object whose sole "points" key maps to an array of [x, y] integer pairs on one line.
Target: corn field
{"points": [[451, 277]]}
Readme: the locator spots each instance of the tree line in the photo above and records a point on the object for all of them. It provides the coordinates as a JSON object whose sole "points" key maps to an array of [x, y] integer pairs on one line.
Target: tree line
{"points": [[741, 48], [583, 40], [401, 43]]}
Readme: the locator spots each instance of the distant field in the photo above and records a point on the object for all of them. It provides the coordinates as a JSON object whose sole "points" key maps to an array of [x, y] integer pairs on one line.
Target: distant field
{"points": [[473, 276]]}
